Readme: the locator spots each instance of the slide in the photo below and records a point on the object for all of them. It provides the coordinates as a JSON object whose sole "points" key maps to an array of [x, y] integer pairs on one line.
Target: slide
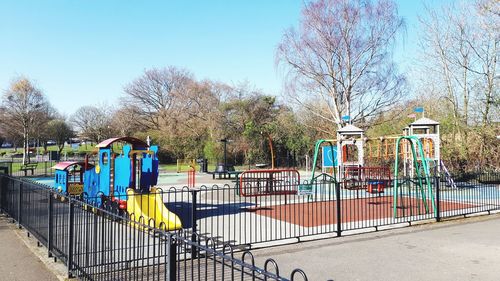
{"points": [[151, 206]]}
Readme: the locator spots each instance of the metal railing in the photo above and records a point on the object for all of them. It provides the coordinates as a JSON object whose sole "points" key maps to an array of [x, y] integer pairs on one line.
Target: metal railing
{"points": [[329, 209], [33, 169], [219, 221], [96, 242]]}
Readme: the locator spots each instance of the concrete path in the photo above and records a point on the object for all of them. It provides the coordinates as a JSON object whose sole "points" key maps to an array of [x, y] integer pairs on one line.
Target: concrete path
{"points": [[17, 262], [465, 249]]}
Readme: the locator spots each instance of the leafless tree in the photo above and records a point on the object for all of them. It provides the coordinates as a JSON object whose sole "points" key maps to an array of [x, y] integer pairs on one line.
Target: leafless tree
{"points": [[341, 57], [152, 95], [25, 107], [93, 122], [459, 46], [60, 131], [125, 121]]}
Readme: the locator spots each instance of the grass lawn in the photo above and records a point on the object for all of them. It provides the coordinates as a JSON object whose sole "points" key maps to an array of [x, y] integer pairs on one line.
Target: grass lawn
{"points": [[172, 168]]}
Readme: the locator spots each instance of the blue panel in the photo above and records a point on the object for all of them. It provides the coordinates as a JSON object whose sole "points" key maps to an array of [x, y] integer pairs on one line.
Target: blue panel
{"points": [[327, 156], [154, 176], [104, 174], [146, 172], [91, 183], [155, 165], [60, 180], [123, 175]]}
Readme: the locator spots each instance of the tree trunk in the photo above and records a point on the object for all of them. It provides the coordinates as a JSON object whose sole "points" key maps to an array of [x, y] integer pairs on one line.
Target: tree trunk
{"points": [[26, 158], [61, 147]]}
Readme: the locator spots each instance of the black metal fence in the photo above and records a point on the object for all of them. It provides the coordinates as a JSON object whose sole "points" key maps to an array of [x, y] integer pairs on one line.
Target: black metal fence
{"points": [[98, 241], [97, 244], [325, 208], [32, 169]]}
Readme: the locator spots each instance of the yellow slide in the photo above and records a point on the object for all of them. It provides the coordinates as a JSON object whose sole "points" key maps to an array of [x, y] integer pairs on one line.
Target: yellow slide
{"points": [[151, 206]]}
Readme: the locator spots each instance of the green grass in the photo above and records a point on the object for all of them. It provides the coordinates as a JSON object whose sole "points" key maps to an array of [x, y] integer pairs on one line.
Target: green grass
{"points": [[83, 148], [172, 168], [16, 166]]}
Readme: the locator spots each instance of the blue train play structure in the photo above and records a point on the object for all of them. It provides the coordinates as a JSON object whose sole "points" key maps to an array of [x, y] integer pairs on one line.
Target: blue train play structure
{"points": [[126, 179]]}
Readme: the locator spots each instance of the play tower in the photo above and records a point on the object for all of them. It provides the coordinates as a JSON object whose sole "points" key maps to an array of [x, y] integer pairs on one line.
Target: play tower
{"points": [[350, 143], [427, 131]]}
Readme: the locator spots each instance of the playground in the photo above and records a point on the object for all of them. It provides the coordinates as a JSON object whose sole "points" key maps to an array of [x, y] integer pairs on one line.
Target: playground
{"points": [[263, 207], [120, 198], [355, 183]]}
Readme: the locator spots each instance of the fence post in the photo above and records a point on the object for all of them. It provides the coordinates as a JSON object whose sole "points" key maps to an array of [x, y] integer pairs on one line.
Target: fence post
{"points": [[194, 226], [438, 199], [71, 236], [50, 224], [19, 207], [172, 255], [339, 214], [2, 180]]}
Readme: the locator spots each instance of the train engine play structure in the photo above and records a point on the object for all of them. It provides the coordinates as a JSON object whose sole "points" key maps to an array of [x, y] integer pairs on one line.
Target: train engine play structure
{"points": [[124, 179]]}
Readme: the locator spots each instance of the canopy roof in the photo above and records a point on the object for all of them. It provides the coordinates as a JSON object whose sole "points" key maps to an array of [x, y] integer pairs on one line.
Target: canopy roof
{"points": [[64, 165], [133, 141], [424, 122], [350, 129]]}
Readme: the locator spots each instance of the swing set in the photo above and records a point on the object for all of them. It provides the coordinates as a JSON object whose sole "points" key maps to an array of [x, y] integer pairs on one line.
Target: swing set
{"points": [[422, 176]]}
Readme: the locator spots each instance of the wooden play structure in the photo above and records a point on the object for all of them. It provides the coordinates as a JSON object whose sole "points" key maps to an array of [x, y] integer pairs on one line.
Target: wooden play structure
{"points": [[346, 157]]}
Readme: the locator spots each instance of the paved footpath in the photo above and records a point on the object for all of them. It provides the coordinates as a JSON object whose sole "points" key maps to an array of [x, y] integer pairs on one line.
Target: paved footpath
{"points": [[465, 249], [17, 262]]}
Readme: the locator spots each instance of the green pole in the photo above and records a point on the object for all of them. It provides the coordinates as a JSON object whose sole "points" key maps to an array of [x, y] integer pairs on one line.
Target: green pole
{"points": [[417, 167], [316, 152]]}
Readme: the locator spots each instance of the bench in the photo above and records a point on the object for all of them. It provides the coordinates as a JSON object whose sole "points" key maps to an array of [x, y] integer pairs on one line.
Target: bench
{"points": [[27, 167], [4, 170]]}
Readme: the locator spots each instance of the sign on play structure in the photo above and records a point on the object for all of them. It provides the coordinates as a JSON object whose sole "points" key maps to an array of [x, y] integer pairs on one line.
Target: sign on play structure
{"points": [[305, 189], [329, 159]]}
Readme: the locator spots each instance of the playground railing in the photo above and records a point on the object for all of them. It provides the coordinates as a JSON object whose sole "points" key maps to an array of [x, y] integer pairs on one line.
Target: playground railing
{"points": [[268, 182], [327, 209], [33, 169], [98, 242], [476, 192]]}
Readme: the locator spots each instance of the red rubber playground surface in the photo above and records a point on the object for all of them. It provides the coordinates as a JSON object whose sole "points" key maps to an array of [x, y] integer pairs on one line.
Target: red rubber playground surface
{"points": [[324, 213]]}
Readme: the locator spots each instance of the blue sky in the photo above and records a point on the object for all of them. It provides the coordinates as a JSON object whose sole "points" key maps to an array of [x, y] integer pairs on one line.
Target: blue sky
{"points": [[84, 52]]}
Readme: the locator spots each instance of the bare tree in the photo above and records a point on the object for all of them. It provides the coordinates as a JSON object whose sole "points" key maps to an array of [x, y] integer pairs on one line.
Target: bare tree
{"points": [[152, 95], [93, 122], [444, 51], [459, 46], [125, 121], [341, 57], [60, 131], [25, 106]]}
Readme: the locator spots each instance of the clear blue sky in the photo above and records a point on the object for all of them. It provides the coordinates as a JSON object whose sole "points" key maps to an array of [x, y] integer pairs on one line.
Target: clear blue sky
{"points": [[84, 52]]}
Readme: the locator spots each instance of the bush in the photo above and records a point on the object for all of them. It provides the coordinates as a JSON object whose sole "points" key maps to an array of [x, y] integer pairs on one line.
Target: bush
{"points": [[165, 157]]}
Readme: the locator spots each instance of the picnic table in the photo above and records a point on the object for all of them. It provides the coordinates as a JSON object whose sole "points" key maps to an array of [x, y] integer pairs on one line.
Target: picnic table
{"points": [[223, 174], [225, 171], [267, 182]]}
